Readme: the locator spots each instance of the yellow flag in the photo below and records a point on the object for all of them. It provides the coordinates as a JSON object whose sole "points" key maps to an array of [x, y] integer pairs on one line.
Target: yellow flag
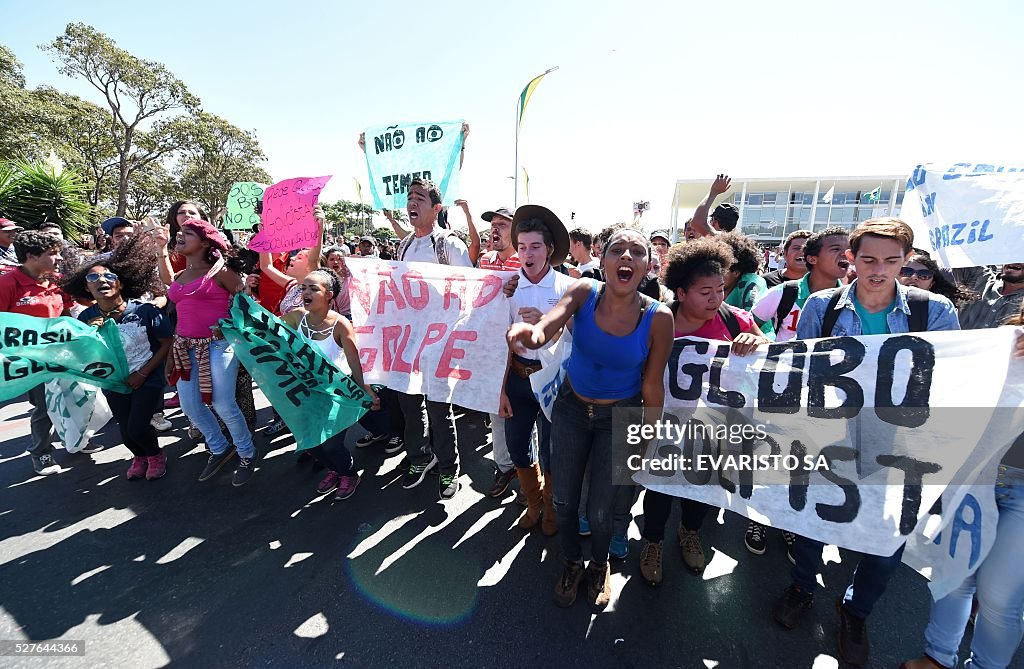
{"points": [[527, 93], [526, 183]]}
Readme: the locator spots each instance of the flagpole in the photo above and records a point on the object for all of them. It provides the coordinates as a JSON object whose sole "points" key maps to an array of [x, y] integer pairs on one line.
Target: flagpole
{"points": [[519, 110]]}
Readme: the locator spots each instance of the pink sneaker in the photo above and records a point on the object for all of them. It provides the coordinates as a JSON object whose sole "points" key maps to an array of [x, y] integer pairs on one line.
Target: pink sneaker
{"points": [[329, 483], [346, 486], [137, 470], [157, 466], [173, 403]]}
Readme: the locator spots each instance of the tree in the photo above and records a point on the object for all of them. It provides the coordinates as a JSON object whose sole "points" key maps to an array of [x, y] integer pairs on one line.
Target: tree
{"points": [[82, 135], [151, 189], [32, 194], [140, 95], [216, 155], [22, 116]]}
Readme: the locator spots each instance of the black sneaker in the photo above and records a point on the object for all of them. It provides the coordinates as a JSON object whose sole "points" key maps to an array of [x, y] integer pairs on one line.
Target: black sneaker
{"points": [[755, 538], [369, 439], [395, 444], [448, 485], [244, 471], [853, 636], [90, 448], [44, 465], [791, 607], [214, 463], [415, 473], [790, 540]]}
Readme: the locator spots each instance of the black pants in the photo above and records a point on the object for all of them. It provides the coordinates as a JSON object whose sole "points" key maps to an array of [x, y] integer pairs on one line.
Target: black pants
{"points": [[658, 506], [335, 455], [133, 413], [42, 427]]}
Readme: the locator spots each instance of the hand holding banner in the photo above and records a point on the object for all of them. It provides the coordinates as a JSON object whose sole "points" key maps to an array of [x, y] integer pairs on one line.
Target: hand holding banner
{"points": [[288, 221], [398, 154], [242, 201]]}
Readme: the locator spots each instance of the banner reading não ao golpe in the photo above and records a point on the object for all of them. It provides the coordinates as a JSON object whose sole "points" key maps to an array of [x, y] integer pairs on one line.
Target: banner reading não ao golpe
{"points": [[433, 330], [850, 441]]}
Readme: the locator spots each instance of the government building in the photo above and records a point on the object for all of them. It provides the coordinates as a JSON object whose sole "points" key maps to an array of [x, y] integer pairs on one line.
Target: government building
{"points": [[772, 208]]}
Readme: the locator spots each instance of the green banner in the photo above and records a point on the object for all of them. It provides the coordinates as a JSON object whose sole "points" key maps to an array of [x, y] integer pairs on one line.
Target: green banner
{"points": [[313, 397], [35, 350]]}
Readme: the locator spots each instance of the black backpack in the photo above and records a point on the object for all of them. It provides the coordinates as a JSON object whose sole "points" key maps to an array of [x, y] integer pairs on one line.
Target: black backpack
{"points": [[790, 291], [916, 298], [731, 322]]}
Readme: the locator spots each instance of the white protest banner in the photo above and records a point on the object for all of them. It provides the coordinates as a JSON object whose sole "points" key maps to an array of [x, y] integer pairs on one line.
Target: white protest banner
{"points": [[77, 410], [846, 440], [397, 154], [955, 536], [433, 330], [554, 361], [967, 214]]}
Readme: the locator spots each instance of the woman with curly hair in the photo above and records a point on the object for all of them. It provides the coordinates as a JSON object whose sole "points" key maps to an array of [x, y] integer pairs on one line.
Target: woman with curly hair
{"points": [[116, 284], [743, 285], [922, 272], [696, 275], [201, 363]]}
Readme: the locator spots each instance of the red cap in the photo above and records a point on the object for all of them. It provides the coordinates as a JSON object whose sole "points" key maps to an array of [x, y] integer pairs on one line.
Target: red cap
{"points": [[7, 225]]}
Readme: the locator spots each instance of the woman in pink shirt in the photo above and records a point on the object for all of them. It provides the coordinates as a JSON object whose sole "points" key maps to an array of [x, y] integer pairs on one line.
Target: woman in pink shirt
{"points": [[696, 276], [201, 364]]}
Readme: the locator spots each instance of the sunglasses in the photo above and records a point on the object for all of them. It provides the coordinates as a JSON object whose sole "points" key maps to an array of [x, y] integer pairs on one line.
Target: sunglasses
{"points": [[93, 277], [923, 274]]}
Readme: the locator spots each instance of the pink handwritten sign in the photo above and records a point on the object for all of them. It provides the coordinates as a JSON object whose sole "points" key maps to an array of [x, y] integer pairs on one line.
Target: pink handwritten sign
{"points": [[287, 217]]}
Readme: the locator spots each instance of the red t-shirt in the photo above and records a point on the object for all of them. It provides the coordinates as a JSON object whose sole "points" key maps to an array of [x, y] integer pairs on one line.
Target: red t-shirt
{"points": [[21, 294], [716, 328], [270, 292], [491, 260]]}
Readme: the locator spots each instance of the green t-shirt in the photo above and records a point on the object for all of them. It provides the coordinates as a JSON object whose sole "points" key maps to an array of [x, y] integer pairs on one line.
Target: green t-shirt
{"points": [[747, 290], [874, 323]]}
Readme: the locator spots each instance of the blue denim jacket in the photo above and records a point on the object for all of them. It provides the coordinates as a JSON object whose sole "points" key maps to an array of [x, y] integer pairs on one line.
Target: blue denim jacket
{"points": [[941, 313]]}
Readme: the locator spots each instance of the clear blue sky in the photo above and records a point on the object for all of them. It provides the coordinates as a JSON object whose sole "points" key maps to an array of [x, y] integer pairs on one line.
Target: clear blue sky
{"points": [[647, 93]]}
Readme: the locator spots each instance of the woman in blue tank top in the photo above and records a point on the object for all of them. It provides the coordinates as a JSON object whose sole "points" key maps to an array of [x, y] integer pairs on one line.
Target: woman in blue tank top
{"points": [[621, 344]]}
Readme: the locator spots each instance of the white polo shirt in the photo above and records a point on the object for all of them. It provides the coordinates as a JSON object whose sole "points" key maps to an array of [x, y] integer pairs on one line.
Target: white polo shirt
{"points": [[543, 296]]}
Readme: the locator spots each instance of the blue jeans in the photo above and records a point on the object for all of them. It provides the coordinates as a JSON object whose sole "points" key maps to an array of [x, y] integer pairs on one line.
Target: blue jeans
{"points": [[519, 428], [869, 579], [335, 455], [999, 584], [582, 433], [223, 373]]}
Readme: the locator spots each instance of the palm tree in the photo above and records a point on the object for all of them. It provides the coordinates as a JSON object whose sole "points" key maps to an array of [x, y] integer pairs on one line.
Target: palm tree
{"points": [[33, 194]]}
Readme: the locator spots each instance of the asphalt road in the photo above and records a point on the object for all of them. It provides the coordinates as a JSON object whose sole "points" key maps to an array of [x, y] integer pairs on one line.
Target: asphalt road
{"points": [[177, 572]]}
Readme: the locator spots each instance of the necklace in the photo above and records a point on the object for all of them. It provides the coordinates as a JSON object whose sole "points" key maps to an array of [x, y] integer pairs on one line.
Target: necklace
{"points": [[310, 331], [113, 312]]}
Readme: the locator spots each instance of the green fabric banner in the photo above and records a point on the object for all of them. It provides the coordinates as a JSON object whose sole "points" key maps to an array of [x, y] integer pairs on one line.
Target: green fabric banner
{"points": [[35, 350], [313, 397]]}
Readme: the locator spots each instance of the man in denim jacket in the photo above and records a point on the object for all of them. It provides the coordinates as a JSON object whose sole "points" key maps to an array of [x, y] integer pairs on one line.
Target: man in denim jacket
{"points": [[874, 304]]}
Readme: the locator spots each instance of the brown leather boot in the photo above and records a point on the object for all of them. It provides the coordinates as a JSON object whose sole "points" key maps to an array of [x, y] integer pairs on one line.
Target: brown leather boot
{"points": [[548, 522], [529, 482]]}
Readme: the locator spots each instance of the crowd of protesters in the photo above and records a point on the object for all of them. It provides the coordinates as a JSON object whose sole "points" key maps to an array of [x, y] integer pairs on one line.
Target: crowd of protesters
{"points": [[622, 296]]}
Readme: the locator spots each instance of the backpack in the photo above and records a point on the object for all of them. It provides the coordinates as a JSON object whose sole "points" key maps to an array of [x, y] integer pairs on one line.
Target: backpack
{"points": [[917, 299], [790, 291], [731, 322]]}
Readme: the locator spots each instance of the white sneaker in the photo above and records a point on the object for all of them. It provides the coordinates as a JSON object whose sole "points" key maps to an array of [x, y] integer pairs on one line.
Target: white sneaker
{"points": [[159, 423]]}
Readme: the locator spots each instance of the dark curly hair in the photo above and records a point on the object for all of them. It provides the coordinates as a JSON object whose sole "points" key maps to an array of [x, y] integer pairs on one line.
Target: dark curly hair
{"points": [[816, 241], [35, 243], [745, 252], [957, 294], [705, 256], [134, 263], [332, 278]]}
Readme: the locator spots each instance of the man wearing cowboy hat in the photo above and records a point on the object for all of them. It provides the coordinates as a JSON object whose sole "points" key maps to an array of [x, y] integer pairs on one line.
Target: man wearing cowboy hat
{"points": [[541, 242]]}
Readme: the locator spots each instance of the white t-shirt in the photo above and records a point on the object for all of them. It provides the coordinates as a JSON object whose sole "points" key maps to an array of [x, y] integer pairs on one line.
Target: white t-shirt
{"points": [[766, 306], [543, 296], [421, 249], [593, 264]]}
